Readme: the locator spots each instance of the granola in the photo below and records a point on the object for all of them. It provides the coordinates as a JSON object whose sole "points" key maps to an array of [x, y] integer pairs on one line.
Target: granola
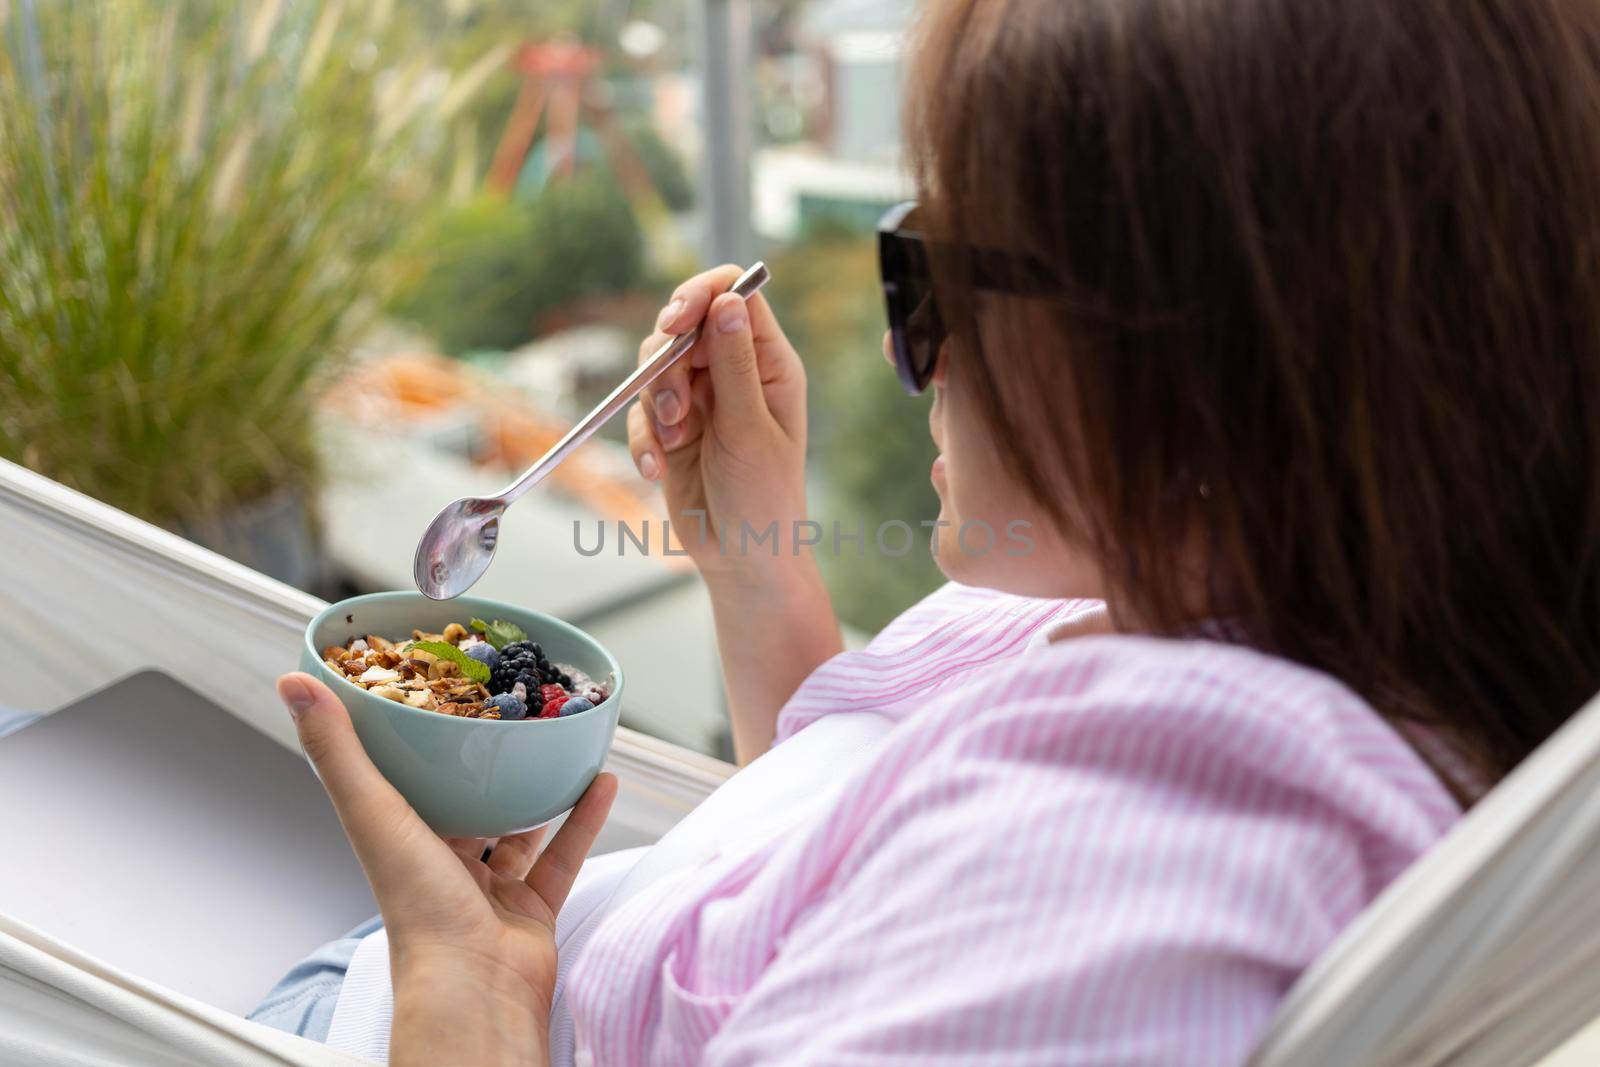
{"points": [[494, 673]]}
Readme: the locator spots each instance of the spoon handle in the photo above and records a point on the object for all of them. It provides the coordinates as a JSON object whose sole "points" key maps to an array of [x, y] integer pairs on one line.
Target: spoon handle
{"points": [[746, 286]]}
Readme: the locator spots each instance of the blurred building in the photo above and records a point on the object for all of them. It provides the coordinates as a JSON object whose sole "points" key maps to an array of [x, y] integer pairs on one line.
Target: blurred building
{"points": [[847, 167]]}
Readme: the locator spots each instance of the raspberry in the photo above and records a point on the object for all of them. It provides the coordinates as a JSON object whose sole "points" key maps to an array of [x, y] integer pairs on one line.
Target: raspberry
{"points": [[552, 708], [551, 692]]}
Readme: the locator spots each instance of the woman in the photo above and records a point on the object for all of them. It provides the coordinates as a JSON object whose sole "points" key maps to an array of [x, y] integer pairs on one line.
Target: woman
{"points": [[1277, 326]]}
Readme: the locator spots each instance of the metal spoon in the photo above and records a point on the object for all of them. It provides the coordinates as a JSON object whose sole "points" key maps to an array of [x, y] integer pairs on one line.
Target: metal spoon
{"points": [[458, 545]]}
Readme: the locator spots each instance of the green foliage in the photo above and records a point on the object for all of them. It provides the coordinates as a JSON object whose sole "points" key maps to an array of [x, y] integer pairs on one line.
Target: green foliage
{"points": [[662, 164], [498, 267], [870, 448], [499, 633], [477, 670], [198, 204]]}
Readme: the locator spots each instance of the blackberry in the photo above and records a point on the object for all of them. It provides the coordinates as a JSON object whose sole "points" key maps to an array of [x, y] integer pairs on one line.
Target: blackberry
{"points": [[518, 663], [517, 648]]}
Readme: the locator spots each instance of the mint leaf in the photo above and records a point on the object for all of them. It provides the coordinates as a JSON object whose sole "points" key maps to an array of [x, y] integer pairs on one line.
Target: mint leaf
{"points": [[499, 633], [478, 672]]}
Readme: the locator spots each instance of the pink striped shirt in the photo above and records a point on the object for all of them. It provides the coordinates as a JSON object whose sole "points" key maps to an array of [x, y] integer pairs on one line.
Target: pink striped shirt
{"points": [[1108, 850]]}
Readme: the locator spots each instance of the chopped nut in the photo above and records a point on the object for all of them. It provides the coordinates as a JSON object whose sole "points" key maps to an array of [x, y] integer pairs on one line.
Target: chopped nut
{"points": [[387, 659], [454, 633], [419, 699], [378, 643], [335, 653], [378, 675], [389, 692]]}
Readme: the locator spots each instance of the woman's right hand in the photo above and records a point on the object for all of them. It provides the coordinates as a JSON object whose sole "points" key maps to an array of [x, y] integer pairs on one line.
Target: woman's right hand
{"points": [[724, 430]]}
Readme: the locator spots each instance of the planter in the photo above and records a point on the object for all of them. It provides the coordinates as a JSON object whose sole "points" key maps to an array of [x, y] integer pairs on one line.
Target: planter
{"points": [[272, 534]]}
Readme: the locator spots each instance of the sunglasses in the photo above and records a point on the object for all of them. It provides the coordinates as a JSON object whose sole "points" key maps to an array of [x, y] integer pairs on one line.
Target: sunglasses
{"points": [[917, 330]]}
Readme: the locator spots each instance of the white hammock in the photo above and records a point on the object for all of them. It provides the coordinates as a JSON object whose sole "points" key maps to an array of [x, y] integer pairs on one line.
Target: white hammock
{"points": [[1487, 952]]}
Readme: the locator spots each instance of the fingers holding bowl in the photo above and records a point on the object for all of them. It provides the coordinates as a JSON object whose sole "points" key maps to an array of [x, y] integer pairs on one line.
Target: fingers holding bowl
{"points": [[552, 875]]}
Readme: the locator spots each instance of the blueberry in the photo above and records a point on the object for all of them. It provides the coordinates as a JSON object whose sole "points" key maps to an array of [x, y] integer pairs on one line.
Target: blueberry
{"points": [[575, 705], [485, 654], [508, 706]]}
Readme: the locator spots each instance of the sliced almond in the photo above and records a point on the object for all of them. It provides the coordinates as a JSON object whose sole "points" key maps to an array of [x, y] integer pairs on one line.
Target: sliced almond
{"points": [[378, 676], [389, 692]]}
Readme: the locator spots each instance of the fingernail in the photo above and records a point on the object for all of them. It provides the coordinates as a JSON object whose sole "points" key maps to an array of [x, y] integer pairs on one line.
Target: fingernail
{"points": [[669, 314], [667, 408], [732, 318], [648, 467], [297, 696]]}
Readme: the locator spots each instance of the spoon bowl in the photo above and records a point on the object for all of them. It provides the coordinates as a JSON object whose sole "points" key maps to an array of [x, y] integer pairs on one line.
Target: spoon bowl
{"points": [[457, 547]]}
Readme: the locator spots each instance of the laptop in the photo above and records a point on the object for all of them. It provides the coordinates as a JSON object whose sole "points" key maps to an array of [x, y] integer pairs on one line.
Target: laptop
{"points": [[148, 827]]}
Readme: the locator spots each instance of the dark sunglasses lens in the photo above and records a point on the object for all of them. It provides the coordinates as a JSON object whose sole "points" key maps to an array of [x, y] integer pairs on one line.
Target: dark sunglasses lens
{"points": [[916, 328], [924, 335]]}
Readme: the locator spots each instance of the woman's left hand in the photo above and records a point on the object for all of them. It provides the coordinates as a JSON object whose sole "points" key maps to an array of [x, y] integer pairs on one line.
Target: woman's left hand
{"points": [[471, 943]]}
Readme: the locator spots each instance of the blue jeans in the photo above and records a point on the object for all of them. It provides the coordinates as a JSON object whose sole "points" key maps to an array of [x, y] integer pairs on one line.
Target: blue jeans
{"points": [[303, 1000]]}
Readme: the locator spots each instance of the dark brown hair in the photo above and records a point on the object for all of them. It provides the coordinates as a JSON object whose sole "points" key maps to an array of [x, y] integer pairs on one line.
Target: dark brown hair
{"points": [[1329, 307]]}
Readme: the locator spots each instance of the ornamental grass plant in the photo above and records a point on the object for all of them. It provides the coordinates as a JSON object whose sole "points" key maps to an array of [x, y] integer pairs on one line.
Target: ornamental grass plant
{"points": [[201, 202]]}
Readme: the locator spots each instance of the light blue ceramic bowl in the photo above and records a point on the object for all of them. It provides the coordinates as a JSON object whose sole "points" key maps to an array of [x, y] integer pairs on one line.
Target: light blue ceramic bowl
{"points": [[471, 777]]}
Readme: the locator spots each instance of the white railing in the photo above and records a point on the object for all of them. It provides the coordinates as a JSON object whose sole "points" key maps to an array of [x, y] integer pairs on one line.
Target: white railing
{"points": [[89, 595]]}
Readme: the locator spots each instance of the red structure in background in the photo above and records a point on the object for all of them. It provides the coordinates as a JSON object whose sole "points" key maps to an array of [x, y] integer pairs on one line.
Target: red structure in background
{"points": [[560, 84], [554, 75]]}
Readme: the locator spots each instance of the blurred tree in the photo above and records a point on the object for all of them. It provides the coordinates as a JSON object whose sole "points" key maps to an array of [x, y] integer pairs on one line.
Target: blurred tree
{"points": [[500, 266], [662, 164]]}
